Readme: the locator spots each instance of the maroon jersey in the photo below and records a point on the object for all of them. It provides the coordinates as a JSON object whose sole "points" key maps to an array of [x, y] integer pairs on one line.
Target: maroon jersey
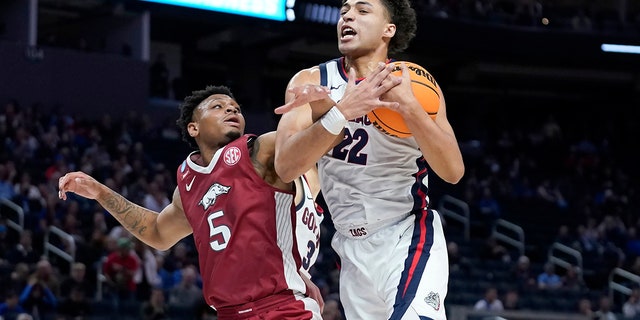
{"points": [[242, 227]]}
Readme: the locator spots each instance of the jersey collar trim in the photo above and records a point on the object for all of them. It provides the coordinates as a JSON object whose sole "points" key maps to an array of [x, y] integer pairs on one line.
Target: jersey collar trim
{"points": [[200, 169]]}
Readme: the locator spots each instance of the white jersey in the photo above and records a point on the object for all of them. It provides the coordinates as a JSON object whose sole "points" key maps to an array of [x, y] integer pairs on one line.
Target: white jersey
{"points": [[308, 218], [370, 179]]}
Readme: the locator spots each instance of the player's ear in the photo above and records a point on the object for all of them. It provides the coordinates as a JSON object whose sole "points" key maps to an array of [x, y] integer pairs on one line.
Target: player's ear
{"points": [[390, 30], [192, 128]]}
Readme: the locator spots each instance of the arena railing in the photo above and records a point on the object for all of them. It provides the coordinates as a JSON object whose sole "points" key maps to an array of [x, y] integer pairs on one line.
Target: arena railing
{"points": [[516, 239], [622, 287], [457, 210], [68, 252], [16, 220], [562, 261]]}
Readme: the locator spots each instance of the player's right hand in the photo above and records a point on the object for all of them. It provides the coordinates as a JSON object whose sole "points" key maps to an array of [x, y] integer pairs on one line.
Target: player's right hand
{"points": [[302, 95], [79, 183]]}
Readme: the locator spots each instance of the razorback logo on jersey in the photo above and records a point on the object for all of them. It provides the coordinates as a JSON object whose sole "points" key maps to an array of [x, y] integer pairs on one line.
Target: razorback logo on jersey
{"points": [[212, 194]]}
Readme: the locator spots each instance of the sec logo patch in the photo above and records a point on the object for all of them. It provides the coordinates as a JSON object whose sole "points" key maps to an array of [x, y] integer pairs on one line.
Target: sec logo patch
{"points": [[232, 156]]}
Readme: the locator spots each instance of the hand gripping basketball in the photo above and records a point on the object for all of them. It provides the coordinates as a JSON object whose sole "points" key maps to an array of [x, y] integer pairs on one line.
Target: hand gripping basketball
{"points": [[424, 88]]}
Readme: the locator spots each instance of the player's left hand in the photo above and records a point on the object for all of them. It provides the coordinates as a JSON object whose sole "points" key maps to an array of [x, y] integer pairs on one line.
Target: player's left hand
{"points": [[402, 93], [302, 95]]}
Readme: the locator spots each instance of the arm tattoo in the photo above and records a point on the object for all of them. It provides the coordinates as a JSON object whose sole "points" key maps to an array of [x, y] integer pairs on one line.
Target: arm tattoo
{"points": [[130, 215], [265, 170], [254, 157]]}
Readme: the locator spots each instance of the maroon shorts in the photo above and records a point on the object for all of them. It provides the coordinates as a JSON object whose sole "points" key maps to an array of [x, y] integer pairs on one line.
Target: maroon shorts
{"points": [[276, 307]]}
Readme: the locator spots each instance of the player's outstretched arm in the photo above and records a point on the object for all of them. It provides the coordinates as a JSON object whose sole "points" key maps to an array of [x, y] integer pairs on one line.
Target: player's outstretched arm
{"points": [[300, 142], [158, 230]]}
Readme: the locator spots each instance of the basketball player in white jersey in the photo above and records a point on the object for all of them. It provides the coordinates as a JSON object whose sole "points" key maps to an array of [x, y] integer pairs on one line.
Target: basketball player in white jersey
{"points": [[309, 216], [394, 262]]}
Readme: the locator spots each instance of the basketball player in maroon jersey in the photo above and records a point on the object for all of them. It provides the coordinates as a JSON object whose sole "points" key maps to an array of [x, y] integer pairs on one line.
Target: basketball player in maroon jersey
{"points": [[241, 214]]}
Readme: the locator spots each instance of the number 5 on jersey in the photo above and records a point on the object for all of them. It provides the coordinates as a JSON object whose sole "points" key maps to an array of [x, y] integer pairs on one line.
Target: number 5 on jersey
{"points": [[222, 233]]}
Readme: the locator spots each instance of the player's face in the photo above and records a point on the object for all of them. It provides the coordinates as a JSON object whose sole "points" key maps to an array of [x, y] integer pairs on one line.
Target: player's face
{"points": [[218, 120], [362, 26]]}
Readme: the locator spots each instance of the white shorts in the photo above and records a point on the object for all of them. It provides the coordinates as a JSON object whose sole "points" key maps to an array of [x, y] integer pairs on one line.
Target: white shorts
{"points": [[399, 272]]}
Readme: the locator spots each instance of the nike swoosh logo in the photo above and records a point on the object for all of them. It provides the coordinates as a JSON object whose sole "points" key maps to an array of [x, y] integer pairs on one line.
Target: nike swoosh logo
{"points": [[190, 184], [335, 88]]}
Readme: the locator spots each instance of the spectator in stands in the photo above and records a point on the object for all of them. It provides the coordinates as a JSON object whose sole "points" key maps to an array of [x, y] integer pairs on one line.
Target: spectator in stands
{"points": [[572, 279], [30, 199], [19, 277], [10, 308], [512, 300], [146, 275], [187, 293], [584, 308], [4, 243], [564, 236], [631, 307], [37, 298], [178, 257], [7, 174], [489, 209], [588, 237], [119, 268], [46, 275], [155, 199], [24, 251], [604, 311], [494, 251], [549, 192], [155, 308], [168, 279], [76, 280], [548, 279], [75, 307], [632, 245], [490, 301], [457, 262]]}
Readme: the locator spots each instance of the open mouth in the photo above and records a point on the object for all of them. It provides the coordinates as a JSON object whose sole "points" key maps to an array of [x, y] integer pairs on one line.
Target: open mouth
{"points": [[233, 121], [347, 33]]}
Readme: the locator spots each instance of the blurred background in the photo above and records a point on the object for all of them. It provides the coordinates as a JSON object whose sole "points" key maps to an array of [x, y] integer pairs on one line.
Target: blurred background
{"points": [[545, 219]]}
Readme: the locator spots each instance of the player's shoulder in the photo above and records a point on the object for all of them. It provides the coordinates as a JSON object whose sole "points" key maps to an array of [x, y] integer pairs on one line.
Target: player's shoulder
{"points": [[264, 145], [268, 138], [306, 76]]}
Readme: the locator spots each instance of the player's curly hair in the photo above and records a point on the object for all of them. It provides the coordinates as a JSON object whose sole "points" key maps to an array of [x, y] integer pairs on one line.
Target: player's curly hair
{"points": [[404, 17], [191, 103]]}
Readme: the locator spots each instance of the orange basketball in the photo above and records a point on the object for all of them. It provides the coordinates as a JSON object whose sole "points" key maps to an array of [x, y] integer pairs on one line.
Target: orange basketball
{"points": [[424, 87]]}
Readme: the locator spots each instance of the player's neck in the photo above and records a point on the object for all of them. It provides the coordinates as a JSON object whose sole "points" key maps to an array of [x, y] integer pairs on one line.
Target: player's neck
{"points": [[364, 65], [206, 155]]}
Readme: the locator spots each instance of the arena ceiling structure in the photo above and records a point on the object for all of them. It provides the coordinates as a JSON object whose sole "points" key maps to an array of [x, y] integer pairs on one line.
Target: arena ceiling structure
{"points": [[470, 56]]}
